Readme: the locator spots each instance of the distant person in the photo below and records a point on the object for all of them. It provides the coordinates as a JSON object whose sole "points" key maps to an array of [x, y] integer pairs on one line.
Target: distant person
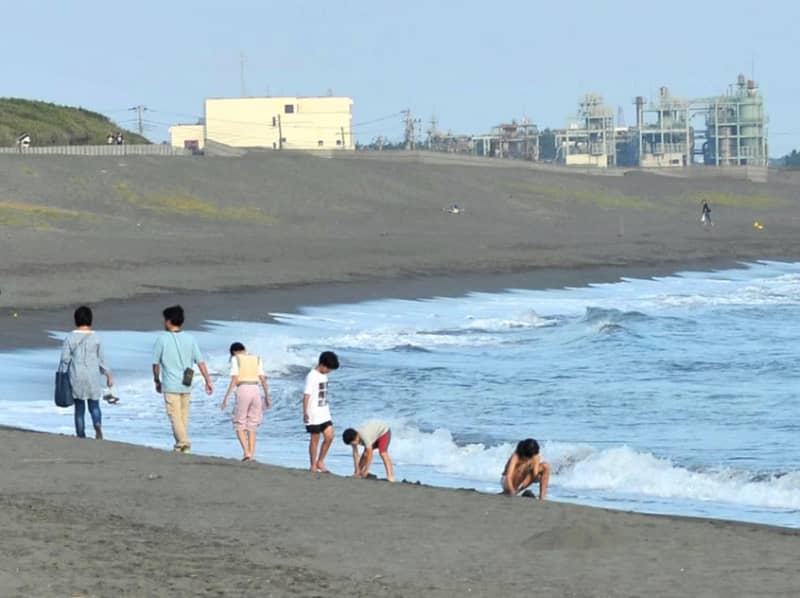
{"points": [[82, 356], [525, 467], [247, 374], [174, 357], [705, 216], [316, 411], [371, 435]]}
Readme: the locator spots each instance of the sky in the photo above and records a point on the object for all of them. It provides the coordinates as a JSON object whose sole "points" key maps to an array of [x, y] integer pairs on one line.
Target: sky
{"points": [[470, 64]]}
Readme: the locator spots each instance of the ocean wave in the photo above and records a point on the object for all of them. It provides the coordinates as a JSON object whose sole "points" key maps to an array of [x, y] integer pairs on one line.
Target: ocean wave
{"points": [[623, 469], [529, 319], [609, 321], [402, 339], [618, 470]]}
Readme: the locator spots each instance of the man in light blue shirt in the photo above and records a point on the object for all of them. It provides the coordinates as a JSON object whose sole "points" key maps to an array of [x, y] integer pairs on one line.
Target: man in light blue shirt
{"points": [[174, 357]]}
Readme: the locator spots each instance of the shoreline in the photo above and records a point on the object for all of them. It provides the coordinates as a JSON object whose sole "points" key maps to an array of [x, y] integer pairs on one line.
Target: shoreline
{"points": [[181, 531], [28, 330], [234, 459]]}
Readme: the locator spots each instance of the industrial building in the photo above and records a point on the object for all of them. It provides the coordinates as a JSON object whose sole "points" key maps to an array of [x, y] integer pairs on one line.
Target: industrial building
{"points": [[517, 140], [736, 127], [663, 134], [280, 123], [669, 132], [589, 139]]}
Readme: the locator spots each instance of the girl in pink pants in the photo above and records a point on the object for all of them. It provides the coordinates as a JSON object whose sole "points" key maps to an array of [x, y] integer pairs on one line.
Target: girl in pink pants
{"points": [[247, 375]]}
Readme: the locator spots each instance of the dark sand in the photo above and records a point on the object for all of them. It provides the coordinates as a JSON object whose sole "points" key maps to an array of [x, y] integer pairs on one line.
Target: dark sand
{"points": [[240, 238], [90, 229], [83, 518]]}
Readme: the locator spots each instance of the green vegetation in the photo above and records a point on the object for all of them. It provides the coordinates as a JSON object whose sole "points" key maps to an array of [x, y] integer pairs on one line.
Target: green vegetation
{"points": [[602, 198], [50, 124], [184, 203], [18, 213]]}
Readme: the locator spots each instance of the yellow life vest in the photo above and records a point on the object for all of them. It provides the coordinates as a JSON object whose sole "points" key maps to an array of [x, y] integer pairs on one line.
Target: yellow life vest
{"points": [[248, 368]]}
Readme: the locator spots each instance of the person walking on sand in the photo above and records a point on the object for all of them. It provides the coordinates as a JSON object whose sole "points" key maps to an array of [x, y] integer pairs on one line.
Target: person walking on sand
{"points": [[247, 373], [175, 354], [705, 215], [525, 467], [371, 435], [316, 411], [82, 356]]}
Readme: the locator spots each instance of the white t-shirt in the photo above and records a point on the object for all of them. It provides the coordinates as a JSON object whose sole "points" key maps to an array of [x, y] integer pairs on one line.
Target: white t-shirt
{"points": [[235, 367], [317, 390]]}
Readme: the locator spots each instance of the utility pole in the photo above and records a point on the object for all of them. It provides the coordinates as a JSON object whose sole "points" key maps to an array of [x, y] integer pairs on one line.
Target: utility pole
{"points": [[140, 110], [410, 136], [280, 133], [343, 144], [433, 133], [241, 74]]}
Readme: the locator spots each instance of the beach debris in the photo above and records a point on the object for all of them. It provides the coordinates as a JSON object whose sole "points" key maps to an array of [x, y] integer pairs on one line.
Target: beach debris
{"points": [[153, 476], [453, 209], [757, 225]]}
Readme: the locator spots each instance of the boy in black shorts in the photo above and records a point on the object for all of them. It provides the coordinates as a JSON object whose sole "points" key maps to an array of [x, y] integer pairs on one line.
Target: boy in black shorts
{"points": [[316, 412]]}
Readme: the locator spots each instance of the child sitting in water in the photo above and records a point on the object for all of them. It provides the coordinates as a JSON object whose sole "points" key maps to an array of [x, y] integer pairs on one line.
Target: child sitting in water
{"points": [[525, 467]]}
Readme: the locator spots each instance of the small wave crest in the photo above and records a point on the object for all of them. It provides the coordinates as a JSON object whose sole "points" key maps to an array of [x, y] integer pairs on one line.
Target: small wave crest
{"points": [[618, 470], [529, 319], [610, 321]]}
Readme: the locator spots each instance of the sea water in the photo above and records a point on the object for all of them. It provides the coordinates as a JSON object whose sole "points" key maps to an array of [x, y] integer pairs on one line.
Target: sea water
{"points": [[673, 395]]}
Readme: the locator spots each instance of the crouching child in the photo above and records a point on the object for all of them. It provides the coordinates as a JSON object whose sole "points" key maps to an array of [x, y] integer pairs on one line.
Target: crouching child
{"points": [[371, 435], [524, 468]]}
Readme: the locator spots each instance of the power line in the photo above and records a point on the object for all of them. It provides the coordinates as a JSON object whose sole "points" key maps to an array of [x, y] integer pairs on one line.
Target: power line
{"points": [[140, 110]]}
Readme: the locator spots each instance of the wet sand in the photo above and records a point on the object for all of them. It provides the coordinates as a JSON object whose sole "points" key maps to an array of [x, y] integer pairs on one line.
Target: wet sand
{"points": [[87, 518]]}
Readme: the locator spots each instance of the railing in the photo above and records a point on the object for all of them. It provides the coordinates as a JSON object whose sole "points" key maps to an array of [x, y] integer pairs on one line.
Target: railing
{"points": [[97, 150]]}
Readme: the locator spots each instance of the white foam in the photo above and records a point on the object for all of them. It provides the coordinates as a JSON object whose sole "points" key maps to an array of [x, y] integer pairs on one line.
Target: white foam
{"points": [[583, 467], [622, 469]]}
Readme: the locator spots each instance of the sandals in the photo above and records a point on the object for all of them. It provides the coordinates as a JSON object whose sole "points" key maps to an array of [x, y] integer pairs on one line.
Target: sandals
{"points": [[111, 399]]}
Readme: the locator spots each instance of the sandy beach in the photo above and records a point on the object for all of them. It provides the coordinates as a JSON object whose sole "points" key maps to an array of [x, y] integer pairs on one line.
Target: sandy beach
{"points": [[109, 519], [242, 238], [92, 229]]}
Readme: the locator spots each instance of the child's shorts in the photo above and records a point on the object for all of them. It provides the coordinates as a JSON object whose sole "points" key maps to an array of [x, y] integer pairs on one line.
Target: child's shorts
{"points": [[382, 444]]}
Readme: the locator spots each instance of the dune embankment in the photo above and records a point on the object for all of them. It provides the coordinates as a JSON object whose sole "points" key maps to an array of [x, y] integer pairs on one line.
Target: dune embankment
{"points": [[86, 518], [77, 229]]}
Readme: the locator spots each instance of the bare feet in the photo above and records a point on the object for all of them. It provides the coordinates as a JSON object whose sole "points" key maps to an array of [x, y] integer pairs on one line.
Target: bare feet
{"points": [[98, 433]]}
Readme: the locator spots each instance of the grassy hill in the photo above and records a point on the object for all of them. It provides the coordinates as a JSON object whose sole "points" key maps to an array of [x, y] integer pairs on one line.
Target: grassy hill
{"points": [[51, 124]]}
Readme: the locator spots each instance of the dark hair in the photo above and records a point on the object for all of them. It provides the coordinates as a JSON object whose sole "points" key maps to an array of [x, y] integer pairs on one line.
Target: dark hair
{"points": [[236, 347], [349, 435], [527, 448], [329, 360], [83, 316], [174, 315]]}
